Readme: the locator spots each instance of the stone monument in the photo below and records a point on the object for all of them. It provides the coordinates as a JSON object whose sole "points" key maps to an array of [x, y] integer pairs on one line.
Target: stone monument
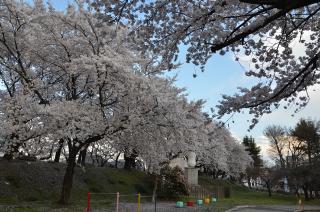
{"points": [[179, 162], [190, 172]]}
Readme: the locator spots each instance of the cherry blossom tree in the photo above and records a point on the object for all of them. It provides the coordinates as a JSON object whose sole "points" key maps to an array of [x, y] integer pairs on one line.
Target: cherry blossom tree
{"points": [[168, 125], [217, 154], [21, 121], [73, 68], [265, 31], [72, 80]]}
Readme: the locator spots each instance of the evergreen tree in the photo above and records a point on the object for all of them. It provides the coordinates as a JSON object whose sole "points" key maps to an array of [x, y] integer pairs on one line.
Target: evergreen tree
{"points": [[308, 132], [253, 150]]}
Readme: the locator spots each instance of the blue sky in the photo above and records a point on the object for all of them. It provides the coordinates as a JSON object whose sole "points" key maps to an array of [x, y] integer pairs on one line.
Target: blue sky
{"points": [[223, 75]]}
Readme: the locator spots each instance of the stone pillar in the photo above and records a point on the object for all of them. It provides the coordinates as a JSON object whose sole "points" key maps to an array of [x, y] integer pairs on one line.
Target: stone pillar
{"points": [[191, 175]]}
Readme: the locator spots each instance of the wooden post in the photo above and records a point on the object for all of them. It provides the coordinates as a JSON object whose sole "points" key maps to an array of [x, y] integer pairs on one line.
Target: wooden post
{"points": [[117, 202], [155, 204], [88, 204], [139, 201]]}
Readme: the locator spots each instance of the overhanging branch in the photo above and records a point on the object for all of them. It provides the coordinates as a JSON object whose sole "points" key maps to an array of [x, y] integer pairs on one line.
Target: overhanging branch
{"points": [[302, 73], [282, 4]]}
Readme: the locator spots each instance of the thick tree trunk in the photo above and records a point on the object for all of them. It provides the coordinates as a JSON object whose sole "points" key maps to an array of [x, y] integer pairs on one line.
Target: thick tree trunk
{"points": [[129, 161], [71, 162], [58, 152], [155, 188], [68, 177], [82, 157], [306, 193]]}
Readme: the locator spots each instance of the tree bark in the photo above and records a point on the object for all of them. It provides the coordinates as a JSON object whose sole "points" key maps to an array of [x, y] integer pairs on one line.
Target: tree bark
{"points": [[68, 177], [130, 161], [311, 193], [316, 193], [249, 182], [268, 183], [269, 191], [306, 193], [82, 157], [58, 152], [117, 159], [155, 188]]}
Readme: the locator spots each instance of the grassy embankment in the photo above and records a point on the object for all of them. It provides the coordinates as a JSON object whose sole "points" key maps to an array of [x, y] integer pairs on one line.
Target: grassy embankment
{"points": [[35, 186]]}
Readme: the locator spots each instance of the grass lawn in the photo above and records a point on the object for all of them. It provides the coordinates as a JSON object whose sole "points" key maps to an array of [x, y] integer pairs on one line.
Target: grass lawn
{"points": [[241, 195], [30, 187]]}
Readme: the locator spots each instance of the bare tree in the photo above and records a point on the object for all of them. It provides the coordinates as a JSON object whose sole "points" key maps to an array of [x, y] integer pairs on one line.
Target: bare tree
{"points": [[277, 144]]}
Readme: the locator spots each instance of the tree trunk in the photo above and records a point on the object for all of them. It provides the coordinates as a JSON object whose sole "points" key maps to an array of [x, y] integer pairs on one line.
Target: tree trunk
{"points": [[14, 149], [82, 157], [58, 152], [297, 194], [269, 187], [129, 161], [317, 193], [249, 182], [311, 193], [305, 191], [155, 188], [117, 159], [79, 158], [68, 177]]}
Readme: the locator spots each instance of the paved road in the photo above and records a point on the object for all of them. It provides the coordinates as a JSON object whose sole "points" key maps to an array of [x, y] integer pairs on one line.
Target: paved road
{"points": [[278, 208]]}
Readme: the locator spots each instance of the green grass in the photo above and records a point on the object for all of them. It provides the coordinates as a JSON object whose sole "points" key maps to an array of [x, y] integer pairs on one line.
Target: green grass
{"points": [[241, 195], [35, 187]]}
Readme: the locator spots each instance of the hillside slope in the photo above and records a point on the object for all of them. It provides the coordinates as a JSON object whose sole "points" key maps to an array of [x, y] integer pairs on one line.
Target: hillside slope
{"points": [[41, 181], [35, 186]]}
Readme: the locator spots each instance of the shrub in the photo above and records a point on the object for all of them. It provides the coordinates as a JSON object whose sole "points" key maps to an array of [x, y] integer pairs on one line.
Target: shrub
{"points": [[172, 183]]}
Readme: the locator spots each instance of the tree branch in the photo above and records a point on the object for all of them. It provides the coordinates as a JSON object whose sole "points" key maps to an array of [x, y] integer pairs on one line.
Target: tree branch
{"points": [[303, 73], [282, 4]]}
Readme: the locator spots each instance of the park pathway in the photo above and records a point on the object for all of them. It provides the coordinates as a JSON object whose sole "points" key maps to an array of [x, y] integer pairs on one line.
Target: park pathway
{"points": [[275, 208]]}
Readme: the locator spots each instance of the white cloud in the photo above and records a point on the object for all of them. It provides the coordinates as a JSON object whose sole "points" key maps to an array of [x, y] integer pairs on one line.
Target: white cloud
{"points": [[263, 142], [236, 136]]}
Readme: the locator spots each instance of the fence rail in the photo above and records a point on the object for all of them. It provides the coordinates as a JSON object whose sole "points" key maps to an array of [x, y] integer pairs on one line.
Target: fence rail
{"points": [[116, 202]]}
